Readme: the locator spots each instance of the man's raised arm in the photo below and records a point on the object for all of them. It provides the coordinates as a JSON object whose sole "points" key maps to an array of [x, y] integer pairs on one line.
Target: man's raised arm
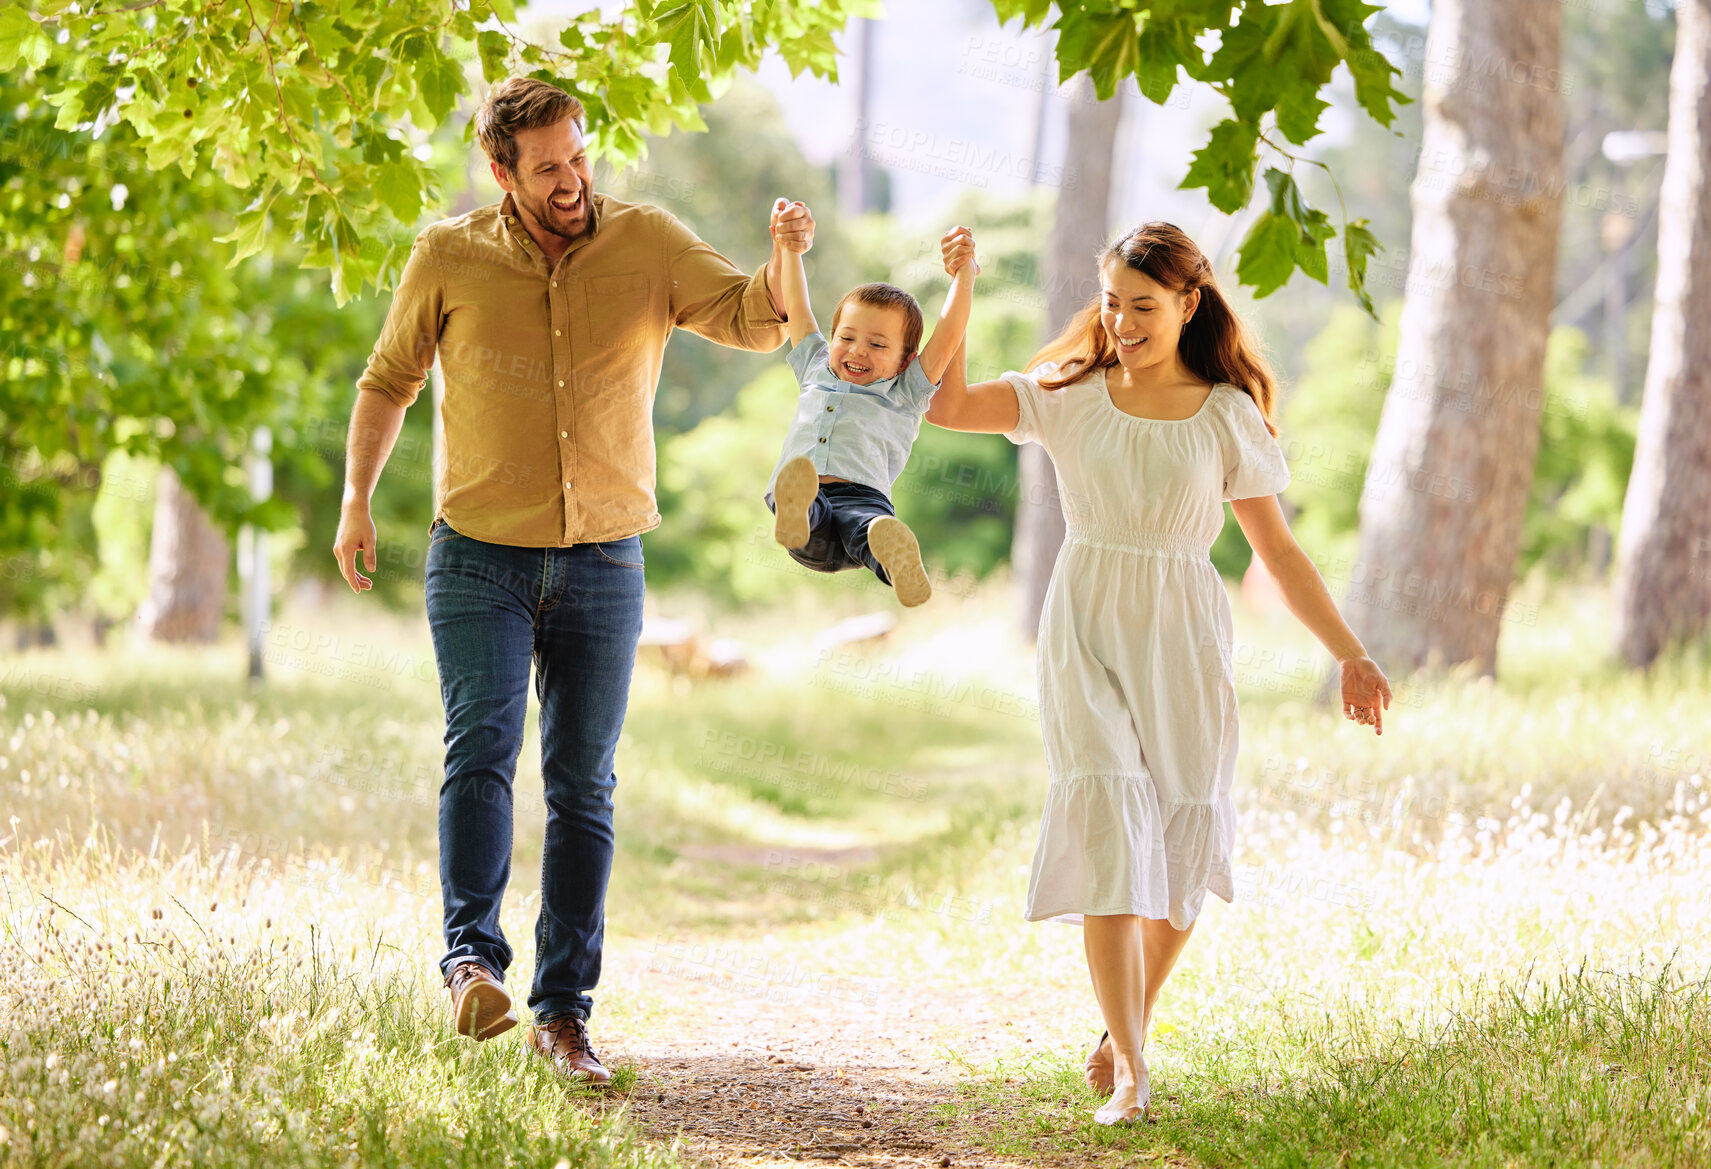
{"points": [[712, 298]]}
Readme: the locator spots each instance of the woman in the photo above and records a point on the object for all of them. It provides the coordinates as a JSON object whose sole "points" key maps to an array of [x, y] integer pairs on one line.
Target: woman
{"points": [[1155, 408]]}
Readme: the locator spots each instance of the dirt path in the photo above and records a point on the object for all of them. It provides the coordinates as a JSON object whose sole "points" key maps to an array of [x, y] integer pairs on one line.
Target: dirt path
{"points": [[750, 1070]]}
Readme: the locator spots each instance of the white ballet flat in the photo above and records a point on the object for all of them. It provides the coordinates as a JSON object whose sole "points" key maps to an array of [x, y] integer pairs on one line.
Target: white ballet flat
{"points": [[1110, 1114]]}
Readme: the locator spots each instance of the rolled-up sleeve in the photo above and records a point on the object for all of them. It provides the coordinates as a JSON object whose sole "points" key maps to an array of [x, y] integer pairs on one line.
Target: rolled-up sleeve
{"points": [[713, 298], [399, 364]]}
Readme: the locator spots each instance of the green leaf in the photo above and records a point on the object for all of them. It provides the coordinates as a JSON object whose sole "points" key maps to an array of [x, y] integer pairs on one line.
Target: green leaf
{"points": [[684, 109], [1298, 111], [327, 38], [504, 10], [685, 29], [1225, 165], [1371, 69], [250, 233], [397, 185], [1158, 55], [22, 39], [441, 81], [735, 48], [1358, 245], [1032, 12], [70, 103], [1267, 256], [494, 48], [1104, 44], [1312, 226]]}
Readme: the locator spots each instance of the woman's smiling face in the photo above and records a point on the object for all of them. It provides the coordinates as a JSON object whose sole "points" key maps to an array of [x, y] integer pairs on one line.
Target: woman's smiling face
{"points": [[1142, 318]]}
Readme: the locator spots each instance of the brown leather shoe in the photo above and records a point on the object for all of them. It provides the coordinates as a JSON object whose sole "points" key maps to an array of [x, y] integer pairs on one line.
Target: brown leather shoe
{"points": [[480, 1005], [563, 1040]]}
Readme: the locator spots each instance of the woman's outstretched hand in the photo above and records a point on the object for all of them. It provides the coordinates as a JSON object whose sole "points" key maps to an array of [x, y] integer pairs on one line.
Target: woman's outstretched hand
{"points": [[1366, 693], [957, 248]]}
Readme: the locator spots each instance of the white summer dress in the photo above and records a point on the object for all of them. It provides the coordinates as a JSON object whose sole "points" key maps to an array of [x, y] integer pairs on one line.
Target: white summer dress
{"points": [[1137, 690]]}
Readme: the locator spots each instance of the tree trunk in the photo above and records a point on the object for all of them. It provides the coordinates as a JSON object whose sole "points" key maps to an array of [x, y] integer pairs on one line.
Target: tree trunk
{"points": [[1072, 279], [854, 173], [1663, 563], [187, 569], [1452, 465]]}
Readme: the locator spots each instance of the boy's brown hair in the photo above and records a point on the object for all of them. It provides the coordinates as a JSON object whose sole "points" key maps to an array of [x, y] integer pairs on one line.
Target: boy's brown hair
{"points": [[887, 296], [520, 103]]}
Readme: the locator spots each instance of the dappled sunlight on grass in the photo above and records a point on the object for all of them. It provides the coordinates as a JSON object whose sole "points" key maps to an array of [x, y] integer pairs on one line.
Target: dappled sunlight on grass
{"points": [[1515, 867]]}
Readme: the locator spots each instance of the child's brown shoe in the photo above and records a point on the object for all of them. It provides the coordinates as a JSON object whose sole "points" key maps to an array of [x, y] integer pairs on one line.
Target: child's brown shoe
{"points": [[899, 553], [792, 497]]}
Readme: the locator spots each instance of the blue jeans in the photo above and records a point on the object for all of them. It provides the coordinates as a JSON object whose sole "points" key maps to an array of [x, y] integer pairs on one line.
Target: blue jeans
{"points": [[575, 615], [837, 528]]}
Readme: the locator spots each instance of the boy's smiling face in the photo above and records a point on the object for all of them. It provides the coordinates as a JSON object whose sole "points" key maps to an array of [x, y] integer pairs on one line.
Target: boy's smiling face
{"points": [[866, 346]]}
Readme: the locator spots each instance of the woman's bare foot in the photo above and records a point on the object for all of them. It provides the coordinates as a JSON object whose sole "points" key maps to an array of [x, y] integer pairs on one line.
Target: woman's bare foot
{"points": [[1097, 1068], [1130, 1094]]}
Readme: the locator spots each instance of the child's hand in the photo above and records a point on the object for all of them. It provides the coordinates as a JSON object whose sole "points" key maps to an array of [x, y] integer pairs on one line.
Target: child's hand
{"points": [[792, 226], [957, 246]]}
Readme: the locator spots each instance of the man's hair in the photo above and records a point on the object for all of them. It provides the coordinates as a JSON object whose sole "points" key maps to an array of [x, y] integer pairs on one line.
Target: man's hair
{"points": [[887, 296], [520, 103]]}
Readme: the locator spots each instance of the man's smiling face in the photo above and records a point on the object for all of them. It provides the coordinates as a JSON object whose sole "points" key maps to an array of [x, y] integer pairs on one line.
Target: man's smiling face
{"points": [[553, 182]]}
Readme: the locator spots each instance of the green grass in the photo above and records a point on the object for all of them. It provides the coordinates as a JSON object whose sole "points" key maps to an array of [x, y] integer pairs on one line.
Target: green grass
{"points": [[1591, 1068], [1481, 939], [225, 1033]]}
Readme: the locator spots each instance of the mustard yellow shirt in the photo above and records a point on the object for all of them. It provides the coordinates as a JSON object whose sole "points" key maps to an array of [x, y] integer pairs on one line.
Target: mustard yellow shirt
{"points": [[551, 370]]}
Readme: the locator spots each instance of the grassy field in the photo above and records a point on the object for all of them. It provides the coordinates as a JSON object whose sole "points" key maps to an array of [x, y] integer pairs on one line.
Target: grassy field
{"points": [[1482, 939]]}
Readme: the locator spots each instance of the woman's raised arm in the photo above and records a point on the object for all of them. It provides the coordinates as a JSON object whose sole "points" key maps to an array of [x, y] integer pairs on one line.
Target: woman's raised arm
{"points": [[983, 408]]}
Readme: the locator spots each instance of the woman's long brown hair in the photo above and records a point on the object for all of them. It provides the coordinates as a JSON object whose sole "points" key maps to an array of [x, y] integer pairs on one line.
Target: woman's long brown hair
{"points": [[1215, 346]]}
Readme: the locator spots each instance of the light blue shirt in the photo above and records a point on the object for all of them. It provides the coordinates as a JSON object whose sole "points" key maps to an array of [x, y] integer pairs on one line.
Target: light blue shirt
{"points": [[859, 433]]}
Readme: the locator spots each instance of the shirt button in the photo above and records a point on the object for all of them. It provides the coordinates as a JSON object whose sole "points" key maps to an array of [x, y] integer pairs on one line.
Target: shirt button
{"points": [[556, 333], [567, 487], [829, 409], [555, 283], [564, 434], [561, 381], [822, 438]]}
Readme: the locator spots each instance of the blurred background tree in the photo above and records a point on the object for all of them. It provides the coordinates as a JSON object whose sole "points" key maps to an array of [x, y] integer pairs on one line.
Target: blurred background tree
{"points": [[130, 347]]}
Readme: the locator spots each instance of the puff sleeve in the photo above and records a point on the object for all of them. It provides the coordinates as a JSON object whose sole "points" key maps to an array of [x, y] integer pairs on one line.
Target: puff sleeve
{"points": [[1253, 460], [1028, 392]]}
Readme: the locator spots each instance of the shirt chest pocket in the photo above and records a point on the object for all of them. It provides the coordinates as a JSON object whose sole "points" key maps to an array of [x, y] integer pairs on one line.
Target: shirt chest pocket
{"points": [[617, 308]]}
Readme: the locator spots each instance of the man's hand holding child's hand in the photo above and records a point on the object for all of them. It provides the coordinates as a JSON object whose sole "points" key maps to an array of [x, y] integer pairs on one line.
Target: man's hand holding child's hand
{"points": [[792, 225], [957, 245]]}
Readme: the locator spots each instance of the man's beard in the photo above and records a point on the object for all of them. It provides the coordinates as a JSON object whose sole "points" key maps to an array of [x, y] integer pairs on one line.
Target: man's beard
{"points": [[545, 215]]}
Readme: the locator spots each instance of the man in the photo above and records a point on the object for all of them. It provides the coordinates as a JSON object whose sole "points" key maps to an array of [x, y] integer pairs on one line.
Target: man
{"points": [[550, 312]]}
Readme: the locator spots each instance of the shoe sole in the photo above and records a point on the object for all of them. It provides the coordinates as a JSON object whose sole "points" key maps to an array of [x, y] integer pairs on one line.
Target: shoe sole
{"points": [[484, 1010], [792, 495], [899, 553], [584, 1079]]}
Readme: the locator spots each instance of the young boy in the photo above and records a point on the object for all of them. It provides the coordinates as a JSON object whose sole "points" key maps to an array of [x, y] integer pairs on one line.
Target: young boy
{"points": [[863, 393]]}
